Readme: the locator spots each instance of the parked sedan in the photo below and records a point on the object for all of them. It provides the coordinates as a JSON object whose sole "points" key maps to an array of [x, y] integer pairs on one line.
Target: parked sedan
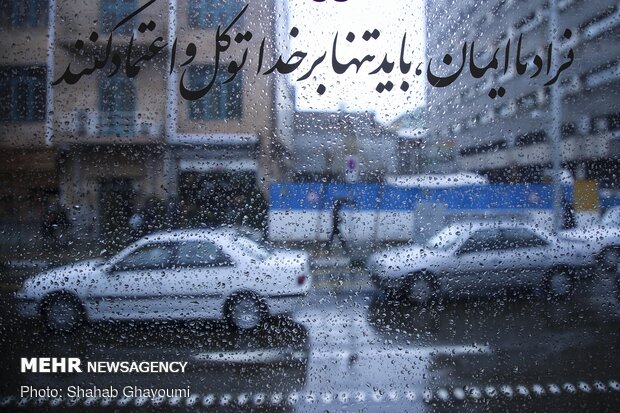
{"points": [[184, 274], [479, 257], [604, 239]]}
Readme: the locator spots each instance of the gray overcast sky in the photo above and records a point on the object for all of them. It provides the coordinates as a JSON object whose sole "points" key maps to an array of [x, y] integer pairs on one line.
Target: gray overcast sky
{"points": [[318, 23]]}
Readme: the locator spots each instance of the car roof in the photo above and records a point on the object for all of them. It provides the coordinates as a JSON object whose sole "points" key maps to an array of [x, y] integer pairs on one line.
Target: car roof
{"points": [[612, 210]]}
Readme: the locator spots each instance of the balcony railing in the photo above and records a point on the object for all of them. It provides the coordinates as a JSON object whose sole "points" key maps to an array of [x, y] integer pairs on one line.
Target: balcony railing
{"points": [[109, 124], [119, 124]]}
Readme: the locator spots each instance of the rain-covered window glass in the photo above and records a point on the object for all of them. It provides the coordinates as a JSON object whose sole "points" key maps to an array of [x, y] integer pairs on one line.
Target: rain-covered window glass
{"points": [[309, 205]]}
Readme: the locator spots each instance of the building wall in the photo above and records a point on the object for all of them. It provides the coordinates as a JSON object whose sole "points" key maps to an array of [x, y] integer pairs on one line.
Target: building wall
{"points": [[503, 134], [97, 145]]}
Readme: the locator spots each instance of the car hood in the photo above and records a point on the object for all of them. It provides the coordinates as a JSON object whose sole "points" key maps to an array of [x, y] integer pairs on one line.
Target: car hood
{"points": [[66, 277]]}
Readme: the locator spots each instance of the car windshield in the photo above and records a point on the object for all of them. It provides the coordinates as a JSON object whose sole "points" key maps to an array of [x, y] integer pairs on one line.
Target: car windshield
{"points": [[252, 248], [446, 239], [611, 218]]}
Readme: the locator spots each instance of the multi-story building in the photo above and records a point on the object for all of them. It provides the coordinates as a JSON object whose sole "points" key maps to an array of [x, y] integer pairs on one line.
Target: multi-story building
{"points": [[28, 174], [121, 138], [508, 138]]}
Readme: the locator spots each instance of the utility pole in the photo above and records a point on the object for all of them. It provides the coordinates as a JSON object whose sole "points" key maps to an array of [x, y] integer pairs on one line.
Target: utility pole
{"points": [[170, 171], [555, 125], [49, 90]]}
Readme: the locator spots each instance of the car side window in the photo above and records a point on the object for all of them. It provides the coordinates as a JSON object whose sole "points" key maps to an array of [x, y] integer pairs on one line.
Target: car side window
{"points": [[195, 254], [482, 240], [515, 238], [148, 257]]}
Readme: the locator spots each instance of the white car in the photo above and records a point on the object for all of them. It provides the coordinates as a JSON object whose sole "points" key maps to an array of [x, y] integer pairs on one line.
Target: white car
{"points": [[183, 274], [604, 239], [475, 258]]}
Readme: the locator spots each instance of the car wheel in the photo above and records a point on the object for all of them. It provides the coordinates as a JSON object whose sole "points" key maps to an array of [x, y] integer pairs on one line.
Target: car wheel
{"points": [[62, 313], [245, 311], [421, 288], [558, 284], [610, 259]]}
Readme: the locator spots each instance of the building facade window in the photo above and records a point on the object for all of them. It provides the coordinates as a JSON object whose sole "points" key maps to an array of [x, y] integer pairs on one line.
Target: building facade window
{"points": [[527, 102], [606, 123], [568, 130], [531, 138], [23, 13], [117, 106], [224, 100], [113, 11], [22, 93], [207, 14], [484, 148]]}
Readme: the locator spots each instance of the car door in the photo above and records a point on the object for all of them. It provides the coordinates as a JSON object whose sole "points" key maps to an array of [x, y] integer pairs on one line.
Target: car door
{"points": [[202, 279], [479, 261], [132, 287], [528, 255]]}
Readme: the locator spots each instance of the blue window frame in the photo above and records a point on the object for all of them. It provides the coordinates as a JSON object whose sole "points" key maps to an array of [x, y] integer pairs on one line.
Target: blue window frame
{"points": [[113, 11], [224, 100], [22, 93], [117, 106], [206, 14], [23, 13]]}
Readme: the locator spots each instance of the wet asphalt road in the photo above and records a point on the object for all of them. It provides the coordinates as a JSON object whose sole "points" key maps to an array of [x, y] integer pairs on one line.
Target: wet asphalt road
{"points": [[357, 350]]}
